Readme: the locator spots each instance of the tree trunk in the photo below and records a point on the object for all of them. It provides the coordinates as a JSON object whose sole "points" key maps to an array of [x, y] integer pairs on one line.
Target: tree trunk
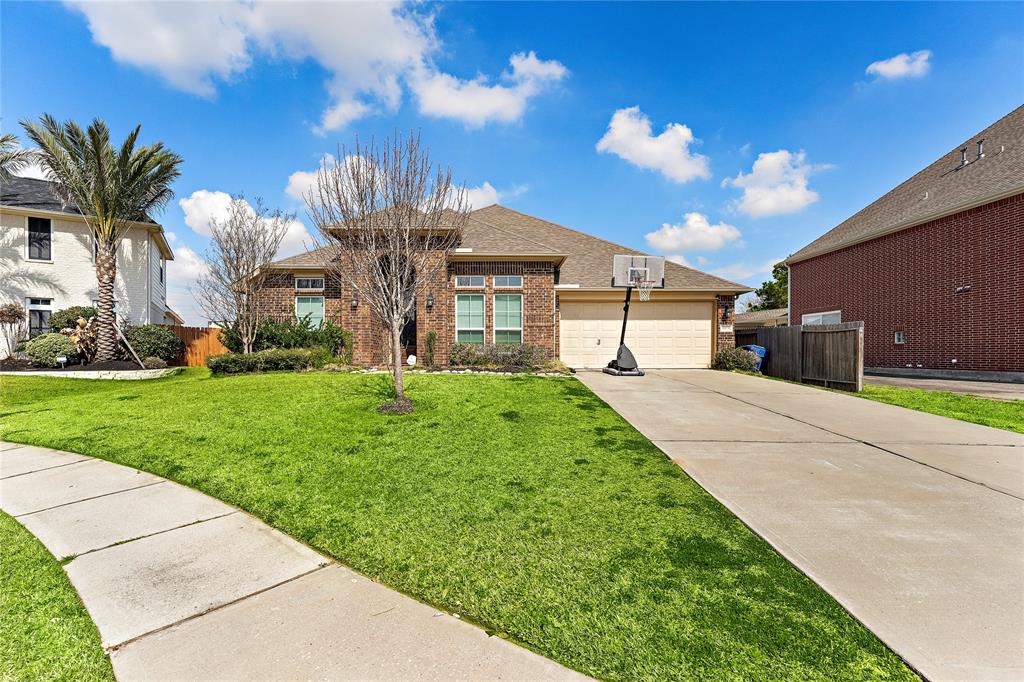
{"points": [[396, 345], [106, 336]]}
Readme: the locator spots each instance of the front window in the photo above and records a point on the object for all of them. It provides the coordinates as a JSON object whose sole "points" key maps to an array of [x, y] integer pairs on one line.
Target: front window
{"points": [[469, 318], [831, 317], [39, 310], [508, 318], [162, 262], [309, 283], [508, 281], [311, 308], [470, 281], [39, 239]]}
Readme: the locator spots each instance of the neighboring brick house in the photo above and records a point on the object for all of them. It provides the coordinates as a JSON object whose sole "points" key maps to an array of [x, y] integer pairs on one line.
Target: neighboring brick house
{"points": [[515, 278], [47, 259], [935, 268]]}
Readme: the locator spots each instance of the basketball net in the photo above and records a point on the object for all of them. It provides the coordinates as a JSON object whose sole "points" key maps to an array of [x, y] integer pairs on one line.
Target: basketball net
{"points": [[644, 287]]}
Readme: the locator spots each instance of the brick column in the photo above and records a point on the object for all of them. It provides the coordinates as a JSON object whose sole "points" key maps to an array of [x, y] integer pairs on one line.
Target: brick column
{"points": [[725, 318]]}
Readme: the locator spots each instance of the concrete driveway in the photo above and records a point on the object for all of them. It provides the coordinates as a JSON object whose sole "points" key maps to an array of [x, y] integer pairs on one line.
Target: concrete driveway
{"points": [[914, 522]]}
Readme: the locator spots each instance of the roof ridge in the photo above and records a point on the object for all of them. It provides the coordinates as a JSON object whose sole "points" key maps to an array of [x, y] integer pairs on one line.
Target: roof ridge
{"points": [[617, 245], [513, 234]]}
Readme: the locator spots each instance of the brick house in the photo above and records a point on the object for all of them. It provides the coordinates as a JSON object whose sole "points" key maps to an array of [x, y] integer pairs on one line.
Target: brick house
{"points": [[518, 279], [935, 268]]}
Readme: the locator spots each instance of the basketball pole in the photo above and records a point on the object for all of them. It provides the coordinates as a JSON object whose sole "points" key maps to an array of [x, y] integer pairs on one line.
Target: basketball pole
{"points": [[625, 316]]}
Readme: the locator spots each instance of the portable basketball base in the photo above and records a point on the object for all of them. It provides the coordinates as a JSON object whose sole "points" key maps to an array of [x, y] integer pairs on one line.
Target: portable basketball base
{"points": [[632, 272]]}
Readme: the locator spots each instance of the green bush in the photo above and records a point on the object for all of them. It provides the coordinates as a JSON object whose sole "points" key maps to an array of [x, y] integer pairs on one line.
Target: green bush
{"points": [[428, 353], [270, 360], [154, 363], [290, 334], [734, 358], [154, 340], [63, 319], [498, 356], [44, 349]]}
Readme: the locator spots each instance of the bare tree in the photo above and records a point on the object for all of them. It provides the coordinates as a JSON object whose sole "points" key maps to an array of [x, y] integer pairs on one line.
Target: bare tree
{"points": [[387, 219], [241, 246]]}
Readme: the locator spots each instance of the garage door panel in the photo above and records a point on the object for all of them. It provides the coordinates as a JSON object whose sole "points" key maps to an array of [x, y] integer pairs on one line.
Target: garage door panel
{"points": [[660, 334]]}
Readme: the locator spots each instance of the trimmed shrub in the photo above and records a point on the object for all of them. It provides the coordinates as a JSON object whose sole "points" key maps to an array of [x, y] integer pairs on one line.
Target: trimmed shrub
{"points": [[734, 358], [154, 340], [270, 360], [428, 353], [154, 363], [499, 356], [44, 349], [66, 318], [290, 334]]}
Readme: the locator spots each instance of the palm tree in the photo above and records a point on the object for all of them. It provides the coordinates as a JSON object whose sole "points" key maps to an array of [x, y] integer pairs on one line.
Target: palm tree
{"points": [[111, 189], [12, 157]]}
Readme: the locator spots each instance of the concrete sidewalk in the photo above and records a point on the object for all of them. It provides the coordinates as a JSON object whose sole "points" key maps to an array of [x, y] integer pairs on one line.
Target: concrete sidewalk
{"points": [[182, 586], [913, 522]]}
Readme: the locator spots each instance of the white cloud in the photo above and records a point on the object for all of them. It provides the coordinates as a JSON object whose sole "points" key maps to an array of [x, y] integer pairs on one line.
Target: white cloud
{"points": [[903, 65], [486, 194], [371, 51], [695, 233], [476, 102], [777, 184], [202, 205], [300, 183], [182, 274], [678, 259], [741, 271], [630, 138]]}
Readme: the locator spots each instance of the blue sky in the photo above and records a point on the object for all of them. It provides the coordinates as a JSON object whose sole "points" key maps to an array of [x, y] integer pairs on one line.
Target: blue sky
{"points": [[724, 135]]}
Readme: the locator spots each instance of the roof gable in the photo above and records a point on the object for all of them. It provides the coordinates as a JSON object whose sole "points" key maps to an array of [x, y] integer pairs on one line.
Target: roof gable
{"points": [[498, 231], [942, 188]]}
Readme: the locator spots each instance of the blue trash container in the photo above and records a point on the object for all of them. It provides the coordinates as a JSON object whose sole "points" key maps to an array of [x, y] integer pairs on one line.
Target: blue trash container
{"points": [[759, 351]]}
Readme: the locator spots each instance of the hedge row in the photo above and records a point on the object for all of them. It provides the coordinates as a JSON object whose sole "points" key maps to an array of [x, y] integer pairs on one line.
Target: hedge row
{"points": [[291, 334], [503, 356], [271, 360]]}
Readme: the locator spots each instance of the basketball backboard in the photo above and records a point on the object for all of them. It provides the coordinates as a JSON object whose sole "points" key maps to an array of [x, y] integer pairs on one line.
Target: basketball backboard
{"points": [[630, 271]]}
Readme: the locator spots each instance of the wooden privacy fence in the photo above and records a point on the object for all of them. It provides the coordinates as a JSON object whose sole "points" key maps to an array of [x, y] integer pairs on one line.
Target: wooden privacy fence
{"points": [[200, 343], [830, 355]]}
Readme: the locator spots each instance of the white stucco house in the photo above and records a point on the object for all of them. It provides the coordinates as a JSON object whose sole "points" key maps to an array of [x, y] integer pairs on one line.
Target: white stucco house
{"points": [[47, 259]]}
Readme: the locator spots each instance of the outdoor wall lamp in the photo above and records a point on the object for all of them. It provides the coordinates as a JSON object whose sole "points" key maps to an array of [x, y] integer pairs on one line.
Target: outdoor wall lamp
{"points": [[355, 300], [430, 302]]}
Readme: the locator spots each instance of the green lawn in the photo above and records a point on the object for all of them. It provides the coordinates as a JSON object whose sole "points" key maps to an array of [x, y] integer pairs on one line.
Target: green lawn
{"points": [[45, 632], [524, 504], [1001, 414]]}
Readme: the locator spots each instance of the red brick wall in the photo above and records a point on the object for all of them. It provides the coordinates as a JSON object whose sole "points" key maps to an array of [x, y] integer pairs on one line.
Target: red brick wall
{"points": [[370, 347], [907, 281], [727, 305]]}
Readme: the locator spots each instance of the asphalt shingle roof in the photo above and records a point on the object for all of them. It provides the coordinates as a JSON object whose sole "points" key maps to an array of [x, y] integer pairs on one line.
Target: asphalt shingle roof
{"points": [[942, 188], [496, 230], [762, 315], [34, 194]]}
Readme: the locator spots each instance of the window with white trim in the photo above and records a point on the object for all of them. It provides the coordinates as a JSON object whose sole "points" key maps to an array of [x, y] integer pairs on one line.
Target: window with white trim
{"points": [[469, 318], [311, 308], [831, 317], [40, 239], [470, 281], [508, 318], [508, 281], [162, 265], [39, 311], [309, 283], [899, 338]]}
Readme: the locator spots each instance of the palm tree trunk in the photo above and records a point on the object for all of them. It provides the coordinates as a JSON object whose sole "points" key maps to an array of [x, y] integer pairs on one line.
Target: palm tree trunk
{"points": [[106, 271]]}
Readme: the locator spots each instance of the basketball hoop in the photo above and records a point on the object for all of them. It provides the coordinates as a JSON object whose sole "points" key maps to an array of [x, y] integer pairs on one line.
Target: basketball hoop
{"points": [[644, 287]]}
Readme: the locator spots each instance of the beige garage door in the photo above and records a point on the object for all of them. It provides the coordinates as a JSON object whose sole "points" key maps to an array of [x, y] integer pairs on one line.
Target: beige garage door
{"points": [[660, 334]]}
